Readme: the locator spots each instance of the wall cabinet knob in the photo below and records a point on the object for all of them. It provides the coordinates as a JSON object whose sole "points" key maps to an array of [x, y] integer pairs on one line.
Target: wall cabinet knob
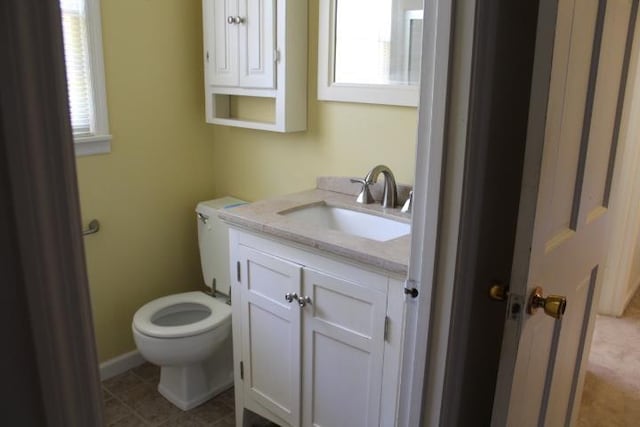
{"points": [[289, 297], [303, 301], [235, 20]]}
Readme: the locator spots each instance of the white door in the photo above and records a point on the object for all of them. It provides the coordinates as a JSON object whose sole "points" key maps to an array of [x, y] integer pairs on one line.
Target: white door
{"points": [[343, 334], [270, 334], [562, 227], [257, 43], [221, 38]]}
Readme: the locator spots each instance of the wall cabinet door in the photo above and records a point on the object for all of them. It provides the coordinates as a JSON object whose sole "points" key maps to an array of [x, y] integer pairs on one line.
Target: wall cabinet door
{"points": [[343, 347], [222, 42], [240, 43], [257, 44], [270, 333]]}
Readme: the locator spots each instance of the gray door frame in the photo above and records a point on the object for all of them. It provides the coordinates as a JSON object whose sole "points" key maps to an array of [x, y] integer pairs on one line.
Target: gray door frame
{"points": [[471, 140]]}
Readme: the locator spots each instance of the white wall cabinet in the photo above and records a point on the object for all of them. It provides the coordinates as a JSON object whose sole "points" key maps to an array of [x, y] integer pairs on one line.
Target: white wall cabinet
{"points": [[256, 49], [332, 360], [242, 44]]}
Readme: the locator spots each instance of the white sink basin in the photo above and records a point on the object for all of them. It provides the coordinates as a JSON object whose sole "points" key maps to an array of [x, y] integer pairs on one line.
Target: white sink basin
{"points": [[350, 222]]}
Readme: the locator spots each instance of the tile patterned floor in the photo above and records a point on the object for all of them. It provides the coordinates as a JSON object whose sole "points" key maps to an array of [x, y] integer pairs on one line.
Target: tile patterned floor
{"points": [[131, 399], [611, 396]]}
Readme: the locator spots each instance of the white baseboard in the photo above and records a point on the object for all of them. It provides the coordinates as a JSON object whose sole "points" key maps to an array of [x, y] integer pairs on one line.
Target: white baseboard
{"points": [[120, 364]]}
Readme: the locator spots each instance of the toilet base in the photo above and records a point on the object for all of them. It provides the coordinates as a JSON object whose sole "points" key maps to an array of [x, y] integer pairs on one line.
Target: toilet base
{"points": [[187, 394], [188, 386]]}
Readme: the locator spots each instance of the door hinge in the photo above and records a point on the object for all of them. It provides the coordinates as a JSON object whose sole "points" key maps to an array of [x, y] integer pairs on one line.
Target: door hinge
{"points": [[238, 270], [386, 328], [410, 288], [276, 55], [241, 370]]}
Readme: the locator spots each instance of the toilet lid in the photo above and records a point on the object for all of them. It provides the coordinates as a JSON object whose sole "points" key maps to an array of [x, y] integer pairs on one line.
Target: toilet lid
{"points": [[145, 319]]}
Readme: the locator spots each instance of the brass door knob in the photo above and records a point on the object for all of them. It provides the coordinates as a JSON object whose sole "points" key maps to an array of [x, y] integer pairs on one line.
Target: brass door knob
{"points": [[498, 292], [553, 305]]}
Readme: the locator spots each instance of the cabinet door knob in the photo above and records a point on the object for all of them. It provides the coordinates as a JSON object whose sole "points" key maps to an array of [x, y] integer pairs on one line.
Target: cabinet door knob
{"points": [[303, 301], [231, 20], [239, 20], [289, 297]]}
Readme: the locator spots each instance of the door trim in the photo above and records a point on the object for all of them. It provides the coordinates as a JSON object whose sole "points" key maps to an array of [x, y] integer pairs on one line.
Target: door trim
{"points": [[490, 199], [444, 92]]}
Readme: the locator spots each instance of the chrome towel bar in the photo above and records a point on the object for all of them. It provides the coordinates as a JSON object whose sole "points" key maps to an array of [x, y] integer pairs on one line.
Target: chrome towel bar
{"points": [[94, 227]]}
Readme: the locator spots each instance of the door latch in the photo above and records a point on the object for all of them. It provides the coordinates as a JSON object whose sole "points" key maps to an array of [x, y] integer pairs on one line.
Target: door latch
{"points": [[410, 288]]}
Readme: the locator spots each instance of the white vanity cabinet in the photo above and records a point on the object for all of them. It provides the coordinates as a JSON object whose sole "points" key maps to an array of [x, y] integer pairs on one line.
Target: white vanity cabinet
{"points": [[330, 360], [255, 63], [270, 351]]}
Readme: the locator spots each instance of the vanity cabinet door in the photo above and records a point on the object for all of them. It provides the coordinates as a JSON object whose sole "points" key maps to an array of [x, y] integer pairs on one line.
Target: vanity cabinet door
{"points": [[343, 347], [270, 334]]}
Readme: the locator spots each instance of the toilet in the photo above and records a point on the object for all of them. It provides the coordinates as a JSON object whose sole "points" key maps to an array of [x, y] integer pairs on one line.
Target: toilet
{"points": [[189, 334]]}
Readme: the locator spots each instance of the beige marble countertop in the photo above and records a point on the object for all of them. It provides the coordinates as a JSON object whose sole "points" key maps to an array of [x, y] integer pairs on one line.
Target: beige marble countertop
{"points": [[265, 216]]}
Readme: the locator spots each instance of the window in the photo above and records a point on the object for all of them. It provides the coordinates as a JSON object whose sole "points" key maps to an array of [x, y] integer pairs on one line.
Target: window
{"points": [[85, 75]]}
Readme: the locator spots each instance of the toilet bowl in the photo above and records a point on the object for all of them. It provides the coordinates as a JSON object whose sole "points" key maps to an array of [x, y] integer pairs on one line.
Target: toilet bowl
{"points": [[189, 334]]}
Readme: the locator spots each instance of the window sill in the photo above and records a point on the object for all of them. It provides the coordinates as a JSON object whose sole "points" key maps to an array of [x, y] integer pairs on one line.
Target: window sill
{"points": [[90, 145]]}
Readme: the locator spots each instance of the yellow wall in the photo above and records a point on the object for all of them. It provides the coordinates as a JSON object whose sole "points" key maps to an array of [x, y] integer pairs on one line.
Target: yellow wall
{"points": [[342, 139], [145, 190], [165, 158]]}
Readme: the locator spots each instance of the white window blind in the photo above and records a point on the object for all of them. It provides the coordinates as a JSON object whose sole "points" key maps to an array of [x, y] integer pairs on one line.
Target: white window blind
{"points": [[74, 27], [82, 33]]}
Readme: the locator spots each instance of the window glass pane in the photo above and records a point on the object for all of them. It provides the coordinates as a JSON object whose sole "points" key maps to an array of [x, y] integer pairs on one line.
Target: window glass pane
{"points": [[378, 41], [363, 35]]}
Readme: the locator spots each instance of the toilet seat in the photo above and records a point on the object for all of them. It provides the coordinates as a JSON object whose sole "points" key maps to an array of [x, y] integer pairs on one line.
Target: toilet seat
{"points": [[219, 315]]}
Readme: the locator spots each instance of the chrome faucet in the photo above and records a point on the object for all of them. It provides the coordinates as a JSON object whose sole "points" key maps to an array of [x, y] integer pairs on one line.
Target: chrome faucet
{"points": [[408, 204], [365, 196], [390, 194]]}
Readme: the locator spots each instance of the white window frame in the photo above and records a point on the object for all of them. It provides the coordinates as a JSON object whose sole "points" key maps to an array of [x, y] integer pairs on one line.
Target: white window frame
{"points": [[99, 141], [328, 90]]}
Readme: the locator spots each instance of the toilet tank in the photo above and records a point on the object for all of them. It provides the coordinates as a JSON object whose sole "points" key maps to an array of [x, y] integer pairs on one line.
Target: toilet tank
{"points": [[213, 240]]}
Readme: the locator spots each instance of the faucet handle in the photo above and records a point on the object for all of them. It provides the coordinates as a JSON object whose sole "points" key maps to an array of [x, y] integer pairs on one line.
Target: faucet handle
{"points": [[365, 196], [406, 208]]}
